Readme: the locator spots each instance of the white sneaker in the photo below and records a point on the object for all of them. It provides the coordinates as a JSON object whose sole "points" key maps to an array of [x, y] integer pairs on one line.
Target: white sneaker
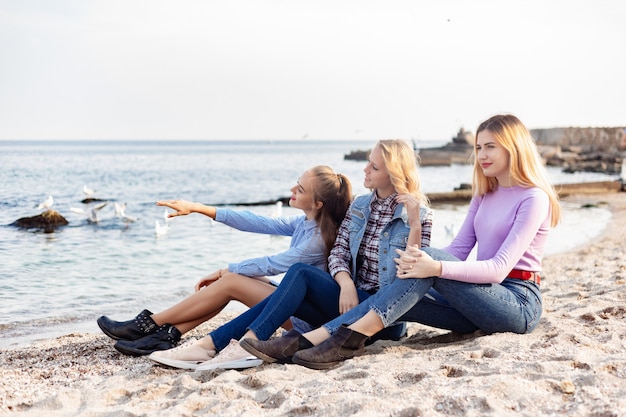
{"points": [[231, 357], [185, 356]]}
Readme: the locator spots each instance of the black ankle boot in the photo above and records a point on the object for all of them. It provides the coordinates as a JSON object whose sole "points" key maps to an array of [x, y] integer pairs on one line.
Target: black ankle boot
{"points": [[134, 329], [277, 350], [166, 337], [342, 345]]}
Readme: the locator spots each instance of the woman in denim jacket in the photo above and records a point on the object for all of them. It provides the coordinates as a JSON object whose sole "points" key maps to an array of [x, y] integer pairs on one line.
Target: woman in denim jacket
{"points": [[361, 262], [513, 208]]}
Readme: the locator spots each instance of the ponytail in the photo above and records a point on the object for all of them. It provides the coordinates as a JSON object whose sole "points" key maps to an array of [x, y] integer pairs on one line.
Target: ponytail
{"points": [[335, 193]]}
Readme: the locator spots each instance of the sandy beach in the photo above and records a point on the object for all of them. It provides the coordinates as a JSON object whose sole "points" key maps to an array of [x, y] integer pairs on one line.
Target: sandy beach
{"points": [[573, 364]]}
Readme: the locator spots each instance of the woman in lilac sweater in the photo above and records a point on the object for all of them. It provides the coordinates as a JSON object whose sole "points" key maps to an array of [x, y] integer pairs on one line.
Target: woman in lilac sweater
{"points": [[513, 208]]}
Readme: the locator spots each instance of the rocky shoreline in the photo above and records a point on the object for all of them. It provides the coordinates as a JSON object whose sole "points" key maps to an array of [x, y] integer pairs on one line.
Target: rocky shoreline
{"points": [[600, 150]]}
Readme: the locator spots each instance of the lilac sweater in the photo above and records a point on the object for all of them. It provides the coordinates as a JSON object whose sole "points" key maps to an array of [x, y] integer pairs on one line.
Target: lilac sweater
{"points": [[510, 227]]}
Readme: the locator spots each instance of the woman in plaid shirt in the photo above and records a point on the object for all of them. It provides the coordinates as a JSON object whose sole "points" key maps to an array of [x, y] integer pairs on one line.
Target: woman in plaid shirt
{"points": [[393, 215], [511, 213]]}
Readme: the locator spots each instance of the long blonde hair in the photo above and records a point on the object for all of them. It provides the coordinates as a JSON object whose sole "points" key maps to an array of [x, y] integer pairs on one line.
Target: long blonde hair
{"points": [[335, 193], [401, 162], [526, 167]]}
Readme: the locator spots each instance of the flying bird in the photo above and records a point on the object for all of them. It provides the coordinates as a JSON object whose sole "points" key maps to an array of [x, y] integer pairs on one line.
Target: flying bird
{"points": [[161, 229], [91, 213], [120, 212]]}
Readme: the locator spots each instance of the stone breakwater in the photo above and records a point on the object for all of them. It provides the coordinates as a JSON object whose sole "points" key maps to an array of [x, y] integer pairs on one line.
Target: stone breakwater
{"points": [[575, 149], [588, 139], [583, 149]]}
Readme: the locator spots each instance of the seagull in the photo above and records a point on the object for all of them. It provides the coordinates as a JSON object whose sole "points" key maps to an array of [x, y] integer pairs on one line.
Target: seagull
{"points": [[120, 211], [92, 214], [88, 191], [46, 204], [120, 208], [450, 230], [161, 229], [277, 211]]}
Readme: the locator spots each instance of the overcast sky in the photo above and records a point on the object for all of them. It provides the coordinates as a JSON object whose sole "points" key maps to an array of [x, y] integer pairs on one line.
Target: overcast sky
{"points": [[288, 69]]}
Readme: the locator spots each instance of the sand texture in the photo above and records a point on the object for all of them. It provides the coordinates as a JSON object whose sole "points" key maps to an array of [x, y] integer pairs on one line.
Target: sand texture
{"points": [[573, 364]]}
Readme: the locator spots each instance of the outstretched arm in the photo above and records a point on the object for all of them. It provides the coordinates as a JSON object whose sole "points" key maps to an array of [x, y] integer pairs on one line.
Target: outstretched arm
{"points": [[184, 207]]}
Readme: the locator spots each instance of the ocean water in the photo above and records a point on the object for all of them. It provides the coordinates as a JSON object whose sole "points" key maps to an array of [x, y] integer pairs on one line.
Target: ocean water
{"points": [[55, 283]]}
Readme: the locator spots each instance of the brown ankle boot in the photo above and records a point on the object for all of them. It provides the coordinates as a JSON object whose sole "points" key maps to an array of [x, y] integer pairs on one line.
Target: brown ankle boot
{"points": [[276, 350], [342, 345]]}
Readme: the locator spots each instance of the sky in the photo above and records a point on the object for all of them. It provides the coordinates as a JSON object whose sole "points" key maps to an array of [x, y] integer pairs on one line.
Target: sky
{"points": [[288, 69]]}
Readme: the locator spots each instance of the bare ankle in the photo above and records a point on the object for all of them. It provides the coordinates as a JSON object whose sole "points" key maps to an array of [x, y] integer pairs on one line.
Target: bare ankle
{"points": [[249, 335], [206, 343]]}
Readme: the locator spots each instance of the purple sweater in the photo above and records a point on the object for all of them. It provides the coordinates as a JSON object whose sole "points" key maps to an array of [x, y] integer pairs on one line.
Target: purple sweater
{"points": [[510, 227]]}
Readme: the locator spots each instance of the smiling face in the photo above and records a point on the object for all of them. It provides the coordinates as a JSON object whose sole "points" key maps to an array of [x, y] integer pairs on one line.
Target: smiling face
{"points": [[376, 174], [493, 158], [303, 195]]}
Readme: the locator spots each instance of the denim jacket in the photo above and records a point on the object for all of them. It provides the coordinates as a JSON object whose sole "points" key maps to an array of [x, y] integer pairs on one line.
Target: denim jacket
{"points": [[394, 236]]}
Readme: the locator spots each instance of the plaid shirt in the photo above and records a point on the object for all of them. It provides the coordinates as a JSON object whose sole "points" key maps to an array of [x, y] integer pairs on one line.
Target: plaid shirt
{"points": [[382, 211]]}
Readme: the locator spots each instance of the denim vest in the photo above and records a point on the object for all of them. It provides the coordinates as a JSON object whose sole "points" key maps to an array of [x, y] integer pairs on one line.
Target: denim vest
{"points": [[394, 236]]}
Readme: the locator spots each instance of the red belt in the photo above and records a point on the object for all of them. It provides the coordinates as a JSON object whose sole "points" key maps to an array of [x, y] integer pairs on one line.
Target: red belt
{"points": [[525, 276]]}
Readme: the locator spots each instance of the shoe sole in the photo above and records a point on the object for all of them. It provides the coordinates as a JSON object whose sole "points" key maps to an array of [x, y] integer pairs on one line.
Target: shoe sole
{"points": [[174, 363], [132, 352], [238, 364], [251, 349], [106, 331], [135, 352], [315, 365]]}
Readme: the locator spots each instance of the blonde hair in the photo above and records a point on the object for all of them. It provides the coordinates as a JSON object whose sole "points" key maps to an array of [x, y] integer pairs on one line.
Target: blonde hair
{"points": [[525, 164], [335, 193], [401, 163]]}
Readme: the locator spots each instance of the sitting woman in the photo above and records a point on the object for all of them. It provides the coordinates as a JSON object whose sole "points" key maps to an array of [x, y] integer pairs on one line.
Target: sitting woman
{"points": [[513, 208], [322, 195], [393, 214]]}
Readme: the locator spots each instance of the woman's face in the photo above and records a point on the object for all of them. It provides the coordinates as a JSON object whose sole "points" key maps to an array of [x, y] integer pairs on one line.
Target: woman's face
{"points": [[376, 174], [302, 194], [493, 158]]}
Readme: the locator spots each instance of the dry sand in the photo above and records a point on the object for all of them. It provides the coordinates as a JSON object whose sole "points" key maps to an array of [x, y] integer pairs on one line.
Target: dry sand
{"points": [[573, 364]]}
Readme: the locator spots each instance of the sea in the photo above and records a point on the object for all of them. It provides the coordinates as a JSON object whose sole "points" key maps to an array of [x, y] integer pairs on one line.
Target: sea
{"points": [[57, 283]]}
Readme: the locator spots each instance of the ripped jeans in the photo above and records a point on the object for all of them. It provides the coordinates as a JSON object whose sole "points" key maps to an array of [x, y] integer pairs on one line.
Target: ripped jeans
{"points": [[511, 306]]}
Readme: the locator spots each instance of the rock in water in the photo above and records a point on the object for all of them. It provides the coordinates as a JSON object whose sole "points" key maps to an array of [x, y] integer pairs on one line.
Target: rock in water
{"points": [[47, 221]]}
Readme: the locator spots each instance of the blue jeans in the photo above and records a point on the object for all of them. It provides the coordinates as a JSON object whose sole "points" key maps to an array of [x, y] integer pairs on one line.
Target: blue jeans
{"points": [[306, 292], [512, 306]]}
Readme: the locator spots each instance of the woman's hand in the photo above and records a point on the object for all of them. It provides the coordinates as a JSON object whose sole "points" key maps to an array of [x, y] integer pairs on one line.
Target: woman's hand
{"points": [[412, 205], [348, 297], [208, 280], [182, 207], [415, 263]]}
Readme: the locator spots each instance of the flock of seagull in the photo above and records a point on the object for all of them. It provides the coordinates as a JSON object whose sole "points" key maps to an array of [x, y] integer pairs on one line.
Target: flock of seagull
{"points": [[95, 205]]}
